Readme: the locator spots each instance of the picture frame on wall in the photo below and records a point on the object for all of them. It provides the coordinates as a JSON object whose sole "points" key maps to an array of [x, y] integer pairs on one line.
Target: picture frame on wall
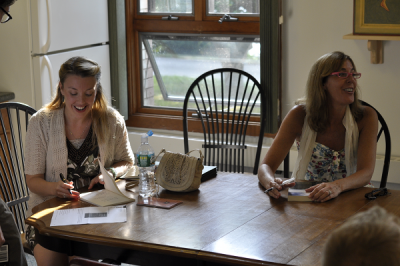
{"points": [[376, 17]]}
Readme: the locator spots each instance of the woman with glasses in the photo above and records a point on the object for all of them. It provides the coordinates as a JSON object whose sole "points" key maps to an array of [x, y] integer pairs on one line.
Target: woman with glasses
{"points": [[335, 135]]}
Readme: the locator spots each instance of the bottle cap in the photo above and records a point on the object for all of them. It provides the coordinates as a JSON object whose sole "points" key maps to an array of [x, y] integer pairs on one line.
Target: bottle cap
{"points": [[144, 138]]}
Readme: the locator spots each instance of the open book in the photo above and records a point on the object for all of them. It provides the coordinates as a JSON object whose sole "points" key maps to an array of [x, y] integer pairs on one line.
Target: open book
{"points": [[110, 195]]}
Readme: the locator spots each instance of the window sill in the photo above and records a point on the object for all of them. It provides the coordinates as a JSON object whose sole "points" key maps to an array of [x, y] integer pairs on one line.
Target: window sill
{"points": [[175, 123]]}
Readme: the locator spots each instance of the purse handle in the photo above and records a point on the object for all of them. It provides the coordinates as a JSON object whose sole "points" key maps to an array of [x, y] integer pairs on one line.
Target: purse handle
{"points": [[201, 154], [164, 151]]}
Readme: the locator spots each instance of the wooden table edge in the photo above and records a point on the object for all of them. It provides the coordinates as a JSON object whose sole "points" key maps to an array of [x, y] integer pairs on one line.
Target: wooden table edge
{"points": [[233, 260], [125, 244]]}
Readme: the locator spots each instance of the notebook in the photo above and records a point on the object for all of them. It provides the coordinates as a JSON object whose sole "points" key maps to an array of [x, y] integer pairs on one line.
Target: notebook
{"points": [[110, 195]]}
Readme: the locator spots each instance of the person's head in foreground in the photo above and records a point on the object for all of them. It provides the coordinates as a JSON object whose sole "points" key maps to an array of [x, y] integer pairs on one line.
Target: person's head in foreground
{"points": [[367, 238]]}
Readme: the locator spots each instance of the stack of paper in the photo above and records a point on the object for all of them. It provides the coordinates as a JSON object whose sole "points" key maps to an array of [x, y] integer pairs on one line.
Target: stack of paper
{"points": [[89, 215]]}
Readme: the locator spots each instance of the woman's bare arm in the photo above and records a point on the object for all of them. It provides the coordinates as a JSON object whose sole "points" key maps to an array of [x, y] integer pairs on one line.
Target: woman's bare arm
{"points": [[290, 129], [38, 185]]}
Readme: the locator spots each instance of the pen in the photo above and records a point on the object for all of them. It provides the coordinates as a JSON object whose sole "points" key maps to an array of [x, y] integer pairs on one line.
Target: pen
{"points": [[65, 181], [268, 190]]}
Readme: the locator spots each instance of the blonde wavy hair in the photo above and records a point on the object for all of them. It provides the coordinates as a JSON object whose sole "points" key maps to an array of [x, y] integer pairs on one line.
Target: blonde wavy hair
{"points": [[85, 67], [315, 101]]}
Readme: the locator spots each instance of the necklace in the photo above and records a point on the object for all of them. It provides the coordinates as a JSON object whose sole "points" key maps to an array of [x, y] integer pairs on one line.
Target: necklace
{"points": [[80, 135]]}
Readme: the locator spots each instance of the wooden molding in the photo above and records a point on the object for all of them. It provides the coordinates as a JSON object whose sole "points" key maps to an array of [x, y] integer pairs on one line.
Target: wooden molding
{"points": [[168, 122], [375, 44]]}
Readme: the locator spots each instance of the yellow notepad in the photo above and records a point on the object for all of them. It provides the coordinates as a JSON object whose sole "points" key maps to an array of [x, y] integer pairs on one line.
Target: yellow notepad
{"points": [[110, 195]]}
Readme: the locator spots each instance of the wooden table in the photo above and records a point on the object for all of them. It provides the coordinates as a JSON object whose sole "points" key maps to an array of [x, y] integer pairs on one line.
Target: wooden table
{"points": [[228, 221]]}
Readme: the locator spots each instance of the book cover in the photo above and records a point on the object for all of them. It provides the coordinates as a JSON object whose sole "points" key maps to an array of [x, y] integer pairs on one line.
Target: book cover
{"points": [[208, 173], [110, 195], [298, 195], [298, 191]]}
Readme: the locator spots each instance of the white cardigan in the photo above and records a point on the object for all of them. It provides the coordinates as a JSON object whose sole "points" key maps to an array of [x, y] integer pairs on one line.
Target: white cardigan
{"points": [[46, 149]]}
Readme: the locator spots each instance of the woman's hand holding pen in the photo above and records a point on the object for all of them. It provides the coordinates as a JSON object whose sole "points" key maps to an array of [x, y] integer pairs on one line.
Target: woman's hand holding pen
{"points": [[278, 184], [63, 190]]}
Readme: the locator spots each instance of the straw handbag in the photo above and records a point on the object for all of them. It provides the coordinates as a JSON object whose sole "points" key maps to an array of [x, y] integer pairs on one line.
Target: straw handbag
{"points": [[179, 172]]}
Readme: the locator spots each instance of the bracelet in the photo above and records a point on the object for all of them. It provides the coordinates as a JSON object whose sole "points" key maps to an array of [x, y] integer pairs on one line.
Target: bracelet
{"points": [[112, 170]]}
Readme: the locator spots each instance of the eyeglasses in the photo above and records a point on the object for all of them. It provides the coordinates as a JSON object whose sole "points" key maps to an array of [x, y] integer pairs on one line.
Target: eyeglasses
{"points": [[344, 75], [5, 18], [376, 193]]}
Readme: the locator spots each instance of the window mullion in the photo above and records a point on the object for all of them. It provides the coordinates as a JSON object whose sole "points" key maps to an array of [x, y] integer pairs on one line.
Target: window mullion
{"points": [[155, 68], [199, 10]]}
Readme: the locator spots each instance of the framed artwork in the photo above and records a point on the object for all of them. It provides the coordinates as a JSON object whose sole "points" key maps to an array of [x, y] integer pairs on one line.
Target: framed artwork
{"points": [[376, 17]]}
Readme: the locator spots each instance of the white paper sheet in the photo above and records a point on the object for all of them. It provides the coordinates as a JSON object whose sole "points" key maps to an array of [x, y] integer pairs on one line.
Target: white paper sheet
{"points": [[109, 182], [89, 215]]}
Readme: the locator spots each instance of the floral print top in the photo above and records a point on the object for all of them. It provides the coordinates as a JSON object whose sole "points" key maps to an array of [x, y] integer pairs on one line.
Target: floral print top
{"points": [[326, 165], [83, 161]]}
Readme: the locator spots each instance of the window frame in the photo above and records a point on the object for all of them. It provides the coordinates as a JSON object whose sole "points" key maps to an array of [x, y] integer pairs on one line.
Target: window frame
{"points": [[196, 23]]}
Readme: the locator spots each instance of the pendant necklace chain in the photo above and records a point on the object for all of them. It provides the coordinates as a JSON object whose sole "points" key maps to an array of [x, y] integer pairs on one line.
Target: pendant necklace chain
{"points": [[72, 134]]}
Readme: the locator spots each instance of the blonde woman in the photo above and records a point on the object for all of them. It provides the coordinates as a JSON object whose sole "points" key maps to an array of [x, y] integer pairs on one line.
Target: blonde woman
{"points": [[68, 137], [335, 135]]}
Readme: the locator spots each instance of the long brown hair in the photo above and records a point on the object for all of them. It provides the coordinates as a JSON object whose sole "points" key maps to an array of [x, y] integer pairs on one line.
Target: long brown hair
{"points": [[85, 67], [315, 100]]}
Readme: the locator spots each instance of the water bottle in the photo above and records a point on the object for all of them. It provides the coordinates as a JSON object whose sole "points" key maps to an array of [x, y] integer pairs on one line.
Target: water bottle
{"points": [[145, 156]]}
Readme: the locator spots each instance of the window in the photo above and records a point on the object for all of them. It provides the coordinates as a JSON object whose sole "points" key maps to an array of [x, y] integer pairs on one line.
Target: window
{"points": [[171, 63], [172, 42]]}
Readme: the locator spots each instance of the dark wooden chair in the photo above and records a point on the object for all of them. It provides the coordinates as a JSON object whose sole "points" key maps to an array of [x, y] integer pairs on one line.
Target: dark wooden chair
{"points": [[225, 101], [388, 145], [14, 118]]}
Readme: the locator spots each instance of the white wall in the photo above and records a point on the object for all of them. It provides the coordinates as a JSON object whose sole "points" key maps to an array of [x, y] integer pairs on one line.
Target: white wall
{"points": [[313, 28]]}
